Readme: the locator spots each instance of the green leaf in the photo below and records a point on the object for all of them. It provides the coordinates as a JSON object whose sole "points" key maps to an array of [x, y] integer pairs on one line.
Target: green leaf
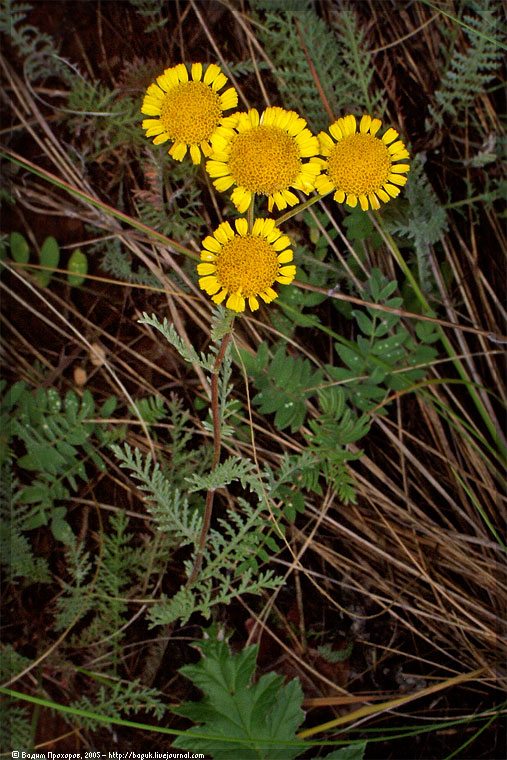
{"points": [[77, 268], [364, 322], [108, 407], [20, 250], [34, 520], [359, 225], [352, 752], [351, 358], [33, 494], [62, 531], [49, 256], [44, 458], [291, 413], [262, 717]]}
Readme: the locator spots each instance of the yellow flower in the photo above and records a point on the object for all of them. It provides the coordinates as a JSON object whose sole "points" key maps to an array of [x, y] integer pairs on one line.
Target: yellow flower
{"points": [[245, 265], [188, 112], [360, 166], [264, 155]]}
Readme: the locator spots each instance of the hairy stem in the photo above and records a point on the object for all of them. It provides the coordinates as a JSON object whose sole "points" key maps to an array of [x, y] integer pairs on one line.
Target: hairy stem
{"points": [[215, 414]]}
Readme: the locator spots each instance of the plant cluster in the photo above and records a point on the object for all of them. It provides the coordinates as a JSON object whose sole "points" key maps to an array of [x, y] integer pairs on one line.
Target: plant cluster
{"points": [[317, 456]]}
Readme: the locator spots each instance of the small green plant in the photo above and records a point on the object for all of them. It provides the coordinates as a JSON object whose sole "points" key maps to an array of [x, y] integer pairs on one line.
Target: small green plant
{"points": [[60, 444], [303, 433], [49, 259], [471, 68]]}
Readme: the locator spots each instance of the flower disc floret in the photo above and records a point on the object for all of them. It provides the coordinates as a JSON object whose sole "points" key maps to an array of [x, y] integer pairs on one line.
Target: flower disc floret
{"points": [[188, 111], [264, 155], [361, 166], [243, 265]]}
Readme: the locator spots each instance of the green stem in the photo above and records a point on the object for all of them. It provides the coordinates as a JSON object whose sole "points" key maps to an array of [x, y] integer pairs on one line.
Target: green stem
{"points": [[298, 209], [215, 414], [250, 214]]}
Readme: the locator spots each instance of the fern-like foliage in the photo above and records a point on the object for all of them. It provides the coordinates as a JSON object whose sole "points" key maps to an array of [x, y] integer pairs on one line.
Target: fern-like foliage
{"points": [[228, 406], [151, 409], [296, 307], [229, 566], [16, 551], [118, 699], [420, 218], [188, 353], [342, 63], [153, 11], [58, 439], [468, 72], [105, 119], [15, 727], [14, 718], [356, 69], [221, 322], [76, 599], [118, 262], [36, 48], [167, 504], [337, 426], [171, 199], [56, 444]]}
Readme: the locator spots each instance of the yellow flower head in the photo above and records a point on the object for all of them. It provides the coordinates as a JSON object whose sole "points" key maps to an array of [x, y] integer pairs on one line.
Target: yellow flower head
{"points": [[245, 265], [264, 155], [360, 166], [188, 112]]}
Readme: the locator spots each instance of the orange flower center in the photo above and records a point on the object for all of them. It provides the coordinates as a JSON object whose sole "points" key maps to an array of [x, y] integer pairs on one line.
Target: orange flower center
{"points": [[264, 160], [359, 164], [248, 265], [191, 112]]}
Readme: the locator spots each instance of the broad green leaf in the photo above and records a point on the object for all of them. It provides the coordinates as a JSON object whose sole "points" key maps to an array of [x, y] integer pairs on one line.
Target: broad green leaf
{"points": [[49, 257], [71, 407], [77, 268], [35, 520], [383, 347], [262, 717], [44, 458], [54, 401], [20, 250], [285, 414]]}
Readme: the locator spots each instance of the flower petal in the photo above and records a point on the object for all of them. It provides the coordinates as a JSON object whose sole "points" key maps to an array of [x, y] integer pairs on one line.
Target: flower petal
{"points": [[242, 226], [389, 136], [197, 72], [210, 284], [236, 302], [219, 297], [285, 256], [364, 124], [195, 154], [206, 268]]}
